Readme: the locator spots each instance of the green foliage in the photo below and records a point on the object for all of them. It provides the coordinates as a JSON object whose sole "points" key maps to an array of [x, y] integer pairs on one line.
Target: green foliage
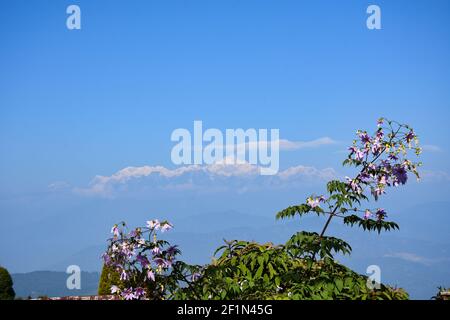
{"points": [[244, 270], [299, 210], [342, 195], [108, 278], [370, 224], [6, 285], [292, 211], [308, 244], [247, 270]]}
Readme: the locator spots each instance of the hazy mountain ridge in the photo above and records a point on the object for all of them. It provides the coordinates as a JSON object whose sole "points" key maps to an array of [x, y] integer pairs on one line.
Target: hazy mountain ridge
{"points": [[52, 284]]}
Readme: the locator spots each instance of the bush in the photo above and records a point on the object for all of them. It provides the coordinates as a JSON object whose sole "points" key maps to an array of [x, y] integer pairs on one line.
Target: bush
{"points": [[6, 285], [251, 271]]}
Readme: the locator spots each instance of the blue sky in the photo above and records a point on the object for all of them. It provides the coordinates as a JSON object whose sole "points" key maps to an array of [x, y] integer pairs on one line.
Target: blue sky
{"points": [[76, 104]]}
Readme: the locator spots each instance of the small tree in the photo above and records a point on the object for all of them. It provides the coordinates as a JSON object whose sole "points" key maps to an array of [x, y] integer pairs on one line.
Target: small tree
{"points": [[304, 268], [6, 285], [382, 160], [108, 278]]}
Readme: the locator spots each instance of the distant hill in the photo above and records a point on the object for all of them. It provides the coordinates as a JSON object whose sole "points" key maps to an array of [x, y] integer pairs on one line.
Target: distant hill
{"points": [[52, 284]]}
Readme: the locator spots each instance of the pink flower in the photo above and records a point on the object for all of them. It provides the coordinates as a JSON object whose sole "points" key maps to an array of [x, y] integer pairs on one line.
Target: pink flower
{"points": [[410, 136], [115, 289], [381, 214], [376, 148], [172, 250], [166, 227], [354, 185], [380, 122], [128, 294], [380, 134], [401, 175], [156, 250], [150, 275], [123, 275], [139, 292], [360, 154], [377, 192], [115, 230], [383, 180], [153, 224], [313, 203], [365, 138], [142, 260]]}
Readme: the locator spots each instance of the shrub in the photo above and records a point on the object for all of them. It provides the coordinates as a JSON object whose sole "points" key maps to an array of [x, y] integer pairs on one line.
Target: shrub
{"points": [[6, 285], [108, 278], [144, 262], [251, 271]]}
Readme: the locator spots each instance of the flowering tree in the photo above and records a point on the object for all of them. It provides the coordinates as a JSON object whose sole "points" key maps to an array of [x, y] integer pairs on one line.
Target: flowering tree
{"points": [[382, 160], [304, 267]]}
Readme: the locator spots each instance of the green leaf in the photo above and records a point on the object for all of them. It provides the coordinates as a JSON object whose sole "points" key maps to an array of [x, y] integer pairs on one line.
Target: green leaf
{"points": [[272, 272], [339, 284], [259, 272]]}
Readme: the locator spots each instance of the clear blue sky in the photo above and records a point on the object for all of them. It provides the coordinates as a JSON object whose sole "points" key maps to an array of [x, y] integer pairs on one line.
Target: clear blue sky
{"points": [[75, 104]]}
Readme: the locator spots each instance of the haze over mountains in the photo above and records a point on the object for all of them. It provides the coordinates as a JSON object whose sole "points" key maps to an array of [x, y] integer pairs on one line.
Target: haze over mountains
{"points": [[52, 284], [416, 258]]}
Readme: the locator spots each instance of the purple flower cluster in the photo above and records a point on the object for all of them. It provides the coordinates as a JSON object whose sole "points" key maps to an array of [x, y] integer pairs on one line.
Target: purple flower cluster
{"points": [[382, 161], [382, 158], [140, 259], [379, 213]]}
